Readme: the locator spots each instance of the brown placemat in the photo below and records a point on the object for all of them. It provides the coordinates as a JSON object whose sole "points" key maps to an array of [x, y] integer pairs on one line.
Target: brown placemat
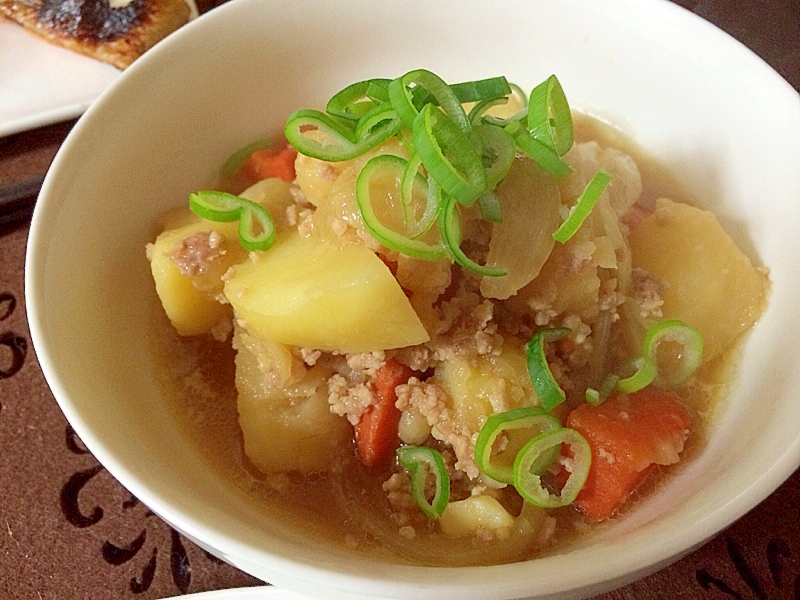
{"points": [[68, 530]]}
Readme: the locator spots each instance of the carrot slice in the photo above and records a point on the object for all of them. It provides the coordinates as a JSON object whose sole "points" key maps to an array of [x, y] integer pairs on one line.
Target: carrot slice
{"points": [[376, 432], [629, 434], [269, 162]]}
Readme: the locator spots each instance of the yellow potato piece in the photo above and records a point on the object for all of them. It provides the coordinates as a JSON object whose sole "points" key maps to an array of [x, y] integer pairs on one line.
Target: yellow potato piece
{"points": [[318, 294], [465, 517], [478, 387], [710, 283], [189, 300], [286, 425]]}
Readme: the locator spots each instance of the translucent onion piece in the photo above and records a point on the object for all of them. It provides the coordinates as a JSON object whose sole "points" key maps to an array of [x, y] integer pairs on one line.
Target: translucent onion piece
{"points": [[530, 204]]}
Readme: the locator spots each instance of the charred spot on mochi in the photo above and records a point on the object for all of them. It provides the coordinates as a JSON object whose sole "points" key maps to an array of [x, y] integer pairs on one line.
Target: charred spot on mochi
{"points": [[90, 21]]}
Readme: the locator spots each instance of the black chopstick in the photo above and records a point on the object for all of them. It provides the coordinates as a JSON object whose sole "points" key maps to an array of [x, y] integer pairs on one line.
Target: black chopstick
{"points": [[18, 199]]}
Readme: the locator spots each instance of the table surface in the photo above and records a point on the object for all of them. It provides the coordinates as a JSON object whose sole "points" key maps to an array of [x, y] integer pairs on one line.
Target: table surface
{"points": [[69, 530]]}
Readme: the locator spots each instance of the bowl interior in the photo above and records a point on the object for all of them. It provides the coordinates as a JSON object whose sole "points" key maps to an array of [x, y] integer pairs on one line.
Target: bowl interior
{"points": [[682, 89]]}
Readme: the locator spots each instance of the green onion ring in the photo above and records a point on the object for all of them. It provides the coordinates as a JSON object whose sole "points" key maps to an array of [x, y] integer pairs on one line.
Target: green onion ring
{"points": [[448, 155], [215, 206], [544, 384], [518, 119], [396, 166], [643, 376], [519, 93], [476, 115], [341, 143], [422, 461], [232, 164], [529, 483], [433, 203], [489, 205], [547, 158], [597, 397], [450, 229], [498, 152], [256, 227], [377, 90], [530, 418], [690, 341], [375, 122], [549, 116], [480, 90], [586, 201], [410, 174], [402, 99], [354, 100]]}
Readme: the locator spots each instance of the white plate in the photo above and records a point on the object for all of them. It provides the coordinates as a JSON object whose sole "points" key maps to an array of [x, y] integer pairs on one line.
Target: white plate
{"points": [[42, 84]]}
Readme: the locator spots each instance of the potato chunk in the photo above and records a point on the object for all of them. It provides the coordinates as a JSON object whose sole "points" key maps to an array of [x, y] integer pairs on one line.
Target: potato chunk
{"points": [[710, 283], [319, 294], [284, 413], [478, 387], [465, 517], [188, 292]]}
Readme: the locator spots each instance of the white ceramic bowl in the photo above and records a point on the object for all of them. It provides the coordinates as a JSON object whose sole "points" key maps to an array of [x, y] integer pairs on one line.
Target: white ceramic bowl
{"points": [[689, 94]]}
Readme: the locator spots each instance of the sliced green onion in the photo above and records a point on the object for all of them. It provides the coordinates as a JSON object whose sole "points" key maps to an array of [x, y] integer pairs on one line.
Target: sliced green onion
{"points": [[549, 116], [411, 177], [645, 373], [528, 420], [479, 91], [515, 121], [489, 205], [597, 397], [215, 206], [546, 157], [375, 123], [340, 143], [476, 115], [256, 227], [423, 462], [482, 89], [450, 229], [388, 165], [356, 99], [235, 160], [676, 349], [377, 90], [588, 198], [403, 101], [448, 155], [498, 152], [544, 384], [529, 482], [519, 93]]}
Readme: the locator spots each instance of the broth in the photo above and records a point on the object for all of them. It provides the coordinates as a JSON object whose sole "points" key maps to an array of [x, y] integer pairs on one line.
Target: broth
{"points": [[348, 507]]}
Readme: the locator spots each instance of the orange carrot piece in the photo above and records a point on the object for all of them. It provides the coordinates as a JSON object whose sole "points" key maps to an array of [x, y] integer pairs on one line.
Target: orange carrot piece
{"points": [[376, 432], [629, 434], [269, 162]]}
